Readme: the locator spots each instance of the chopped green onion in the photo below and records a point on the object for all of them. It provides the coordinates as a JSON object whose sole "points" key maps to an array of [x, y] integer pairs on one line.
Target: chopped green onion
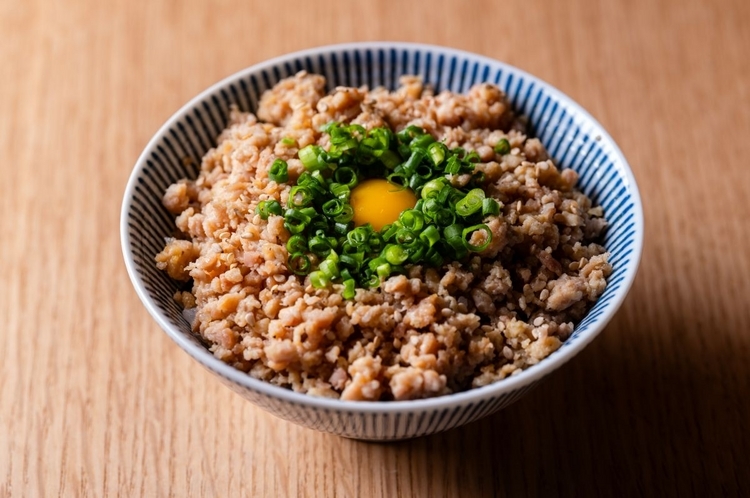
{"points": [[411, 219], [343, 146], [359, 235], [416, 251], [416, 182], [319, 280], [422, 142], [407, 134], [395, 254], [308, 211], [300, 196], [399, 179], [490, 207], [295, 220], [318, 245], [346, 176], [341, 228], [329, 268], [467, 233], [340, 191], [471, 203], [334, 207], [430, 207], [444, 217], [384, 270], [296, 243], [353, 260], [375, 242], [405, 236], [288, 141], [315, 184], [312, 157], [346, 215], [453, 166], [318, 225], [299, 263], [403, 149], [454, 237], [279, 172], [389, 231], [430, 235], [374, 263], [433, 257], [267, 208], [454, 195], [502, 147], [372, 280], [424, 172], [436, 152], [390, 159], [349, 288], [410, 166], [445, 194], [318, 176]]}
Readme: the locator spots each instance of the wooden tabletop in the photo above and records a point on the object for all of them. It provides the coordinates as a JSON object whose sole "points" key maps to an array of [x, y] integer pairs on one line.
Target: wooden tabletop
{"points": [[95, 400]]}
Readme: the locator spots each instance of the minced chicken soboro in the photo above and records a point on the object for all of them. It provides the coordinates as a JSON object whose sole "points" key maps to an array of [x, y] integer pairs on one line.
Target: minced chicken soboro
{"points": [[425, 333]]}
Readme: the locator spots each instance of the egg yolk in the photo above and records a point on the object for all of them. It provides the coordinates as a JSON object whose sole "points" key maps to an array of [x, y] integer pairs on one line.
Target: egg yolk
{"points": [[379, 202]]}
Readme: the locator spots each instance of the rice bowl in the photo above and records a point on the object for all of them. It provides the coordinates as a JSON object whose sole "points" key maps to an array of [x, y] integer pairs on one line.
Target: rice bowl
{"points": [[570, 135]]}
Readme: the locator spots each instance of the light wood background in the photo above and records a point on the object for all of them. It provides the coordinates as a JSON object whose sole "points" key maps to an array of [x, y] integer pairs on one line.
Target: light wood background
{"points": [[95, 400]]}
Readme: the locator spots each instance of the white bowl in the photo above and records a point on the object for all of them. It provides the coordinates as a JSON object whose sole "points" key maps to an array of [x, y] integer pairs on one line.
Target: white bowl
{"points": [[573, 138]]}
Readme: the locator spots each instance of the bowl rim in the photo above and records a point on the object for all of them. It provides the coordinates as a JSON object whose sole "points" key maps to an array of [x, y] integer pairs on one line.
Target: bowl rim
{"points": [[507, 385]]}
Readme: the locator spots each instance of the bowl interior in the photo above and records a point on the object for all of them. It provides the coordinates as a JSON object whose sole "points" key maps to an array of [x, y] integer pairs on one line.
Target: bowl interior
{"points": [[572, 137]]}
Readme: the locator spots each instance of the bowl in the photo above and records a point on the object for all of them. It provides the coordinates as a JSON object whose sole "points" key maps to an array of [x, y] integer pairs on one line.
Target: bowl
{"points": [[573, 138]]}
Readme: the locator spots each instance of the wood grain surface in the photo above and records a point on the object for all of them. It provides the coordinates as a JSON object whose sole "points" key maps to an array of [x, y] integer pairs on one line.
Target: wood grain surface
{"points": [[96, 401]]}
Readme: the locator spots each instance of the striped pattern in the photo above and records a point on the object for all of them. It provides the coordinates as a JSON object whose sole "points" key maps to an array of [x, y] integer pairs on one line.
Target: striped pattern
{"points": [[573, 139]]}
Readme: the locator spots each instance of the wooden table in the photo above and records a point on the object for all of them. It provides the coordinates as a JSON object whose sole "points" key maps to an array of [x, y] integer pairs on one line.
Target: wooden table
{"points": [[95, 400]]}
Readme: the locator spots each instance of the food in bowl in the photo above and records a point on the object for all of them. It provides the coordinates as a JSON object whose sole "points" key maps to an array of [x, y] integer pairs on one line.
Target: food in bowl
{"points": [[377, 245]]}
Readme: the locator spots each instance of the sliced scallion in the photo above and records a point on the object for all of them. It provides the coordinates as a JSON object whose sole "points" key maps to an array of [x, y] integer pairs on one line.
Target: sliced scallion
{"points": [[502, 147], [279, 171], [467, 234]]}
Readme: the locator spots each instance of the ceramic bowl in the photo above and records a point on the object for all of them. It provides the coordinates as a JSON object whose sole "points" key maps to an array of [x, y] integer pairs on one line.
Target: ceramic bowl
{"points": [[572, 137]]}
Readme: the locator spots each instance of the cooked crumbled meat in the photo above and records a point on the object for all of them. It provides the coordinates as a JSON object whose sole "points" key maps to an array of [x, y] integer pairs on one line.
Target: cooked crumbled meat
{"points": [[176, 257], [430, 332]]}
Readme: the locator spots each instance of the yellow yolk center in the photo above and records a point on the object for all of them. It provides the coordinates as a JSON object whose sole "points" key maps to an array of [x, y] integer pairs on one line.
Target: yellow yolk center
{"points": [[379, 202]]}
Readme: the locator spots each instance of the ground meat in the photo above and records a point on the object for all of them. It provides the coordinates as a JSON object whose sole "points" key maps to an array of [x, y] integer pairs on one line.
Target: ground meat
{"points": [[176, 257], [430, 332]]}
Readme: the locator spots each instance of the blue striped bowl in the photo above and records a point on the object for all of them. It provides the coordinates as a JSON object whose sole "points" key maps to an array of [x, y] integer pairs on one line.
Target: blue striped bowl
{"points": [[570, 134]]}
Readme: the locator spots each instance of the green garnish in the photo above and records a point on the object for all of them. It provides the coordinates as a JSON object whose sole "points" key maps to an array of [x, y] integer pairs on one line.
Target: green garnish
{"points": [[299, 263], [467, 233], [502, 147], [471, 203], [327, 246], [349, 288], [279, 171], [266, 208]]}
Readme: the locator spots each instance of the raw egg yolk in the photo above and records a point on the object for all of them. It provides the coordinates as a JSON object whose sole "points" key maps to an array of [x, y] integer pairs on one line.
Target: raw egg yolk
{"points": [[379, 202]]}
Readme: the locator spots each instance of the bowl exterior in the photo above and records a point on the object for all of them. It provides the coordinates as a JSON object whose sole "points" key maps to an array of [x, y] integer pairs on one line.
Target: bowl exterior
{"points": [[390, 425], [572, 137]]}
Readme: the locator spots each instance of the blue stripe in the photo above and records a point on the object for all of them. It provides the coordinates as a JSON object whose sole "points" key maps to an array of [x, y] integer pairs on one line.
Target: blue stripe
{"points": [[440, 75]]}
